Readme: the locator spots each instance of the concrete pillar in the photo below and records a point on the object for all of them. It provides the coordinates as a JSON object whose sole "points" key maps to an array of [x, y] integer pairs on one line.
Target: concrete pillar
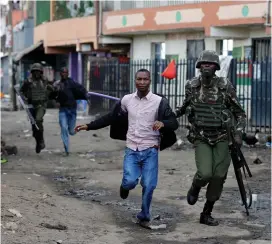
{"points": [[210, 44], [79, 69]]}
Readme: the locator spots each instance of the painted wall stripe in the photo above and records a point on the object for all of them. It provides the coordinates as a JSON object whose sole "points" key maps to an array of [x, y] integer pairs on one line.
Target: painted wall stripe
{"points": [[179, 16], [124, 21], [252, 10]]}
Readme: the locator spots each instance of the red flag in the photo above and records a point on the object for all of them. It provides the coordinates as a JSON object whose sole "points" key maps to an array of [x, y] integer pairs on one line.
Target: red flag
{"points": [[170, 72]]}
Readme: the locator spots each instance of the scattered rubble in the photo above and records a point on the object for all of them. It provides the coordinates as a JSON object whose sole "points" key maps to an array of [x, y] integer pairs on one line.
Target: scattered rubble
{"points": [[257, 161], [11, 226], [55, 227], [15, 212]]}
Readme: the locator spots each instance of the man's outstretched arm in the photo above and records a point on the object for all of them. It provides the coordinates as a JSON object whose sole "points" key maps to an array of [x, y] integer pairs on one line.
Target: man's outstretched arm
{"points": [[101, 122]]}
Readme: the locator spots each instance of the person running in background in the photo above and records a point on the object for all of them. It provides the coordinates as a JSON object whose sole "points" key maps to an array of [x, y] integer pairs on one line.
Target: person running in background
{"points": [[66, 92]]}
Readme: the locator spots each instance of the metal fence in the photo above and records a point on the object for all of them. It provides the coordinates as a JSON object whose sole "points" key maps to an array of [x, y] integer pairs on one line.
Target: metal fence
{"points": [[108, 76], [252, 81]]}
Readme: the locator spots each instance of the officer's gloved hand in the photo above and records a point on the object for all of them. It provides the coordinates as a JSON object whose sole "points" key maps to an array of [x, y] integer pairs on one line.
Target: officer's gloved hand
{"points": [[50, 88], [238, 139], [24, 98], [177, 112]]}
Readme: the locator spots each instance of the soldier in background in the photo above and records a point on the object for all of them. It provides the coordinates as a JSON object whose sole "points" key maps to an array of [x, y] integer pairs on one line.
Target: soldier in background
{"points": [[35, 91], [207, 98]]}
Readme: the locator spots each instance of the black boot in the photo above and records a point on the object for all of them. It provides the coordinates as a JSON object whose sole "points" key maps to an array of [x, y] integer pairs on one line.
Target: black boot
{"points": [[37, 139], [42, 145], [192, 194], [38, 146], [37, 135], [205, 216], [123, 193]]}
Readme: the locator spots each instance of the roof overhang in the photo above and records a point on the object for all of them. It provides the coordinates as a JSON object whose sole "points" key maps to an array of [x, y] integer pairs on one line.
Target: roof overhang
{"points": [[27, 50]]}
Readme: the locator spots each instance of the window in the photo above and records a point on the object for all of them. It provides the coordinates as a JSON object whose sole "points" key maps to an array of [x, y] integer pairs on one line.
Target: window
{"points": [[261, 48], [194, 48], [224, 47]]}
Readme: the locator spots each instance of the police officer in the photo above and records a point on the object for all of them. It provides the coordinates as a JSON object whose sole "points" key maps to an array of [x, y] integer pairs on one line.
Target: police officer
{"points": [[35, 91], [207, 98]]}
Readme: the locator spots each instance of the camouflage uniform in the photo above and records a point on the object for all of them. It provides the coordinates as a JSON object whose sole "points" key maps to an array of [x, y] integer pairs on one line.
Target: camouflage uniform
{"points": [[35, 92], [206, 100]]}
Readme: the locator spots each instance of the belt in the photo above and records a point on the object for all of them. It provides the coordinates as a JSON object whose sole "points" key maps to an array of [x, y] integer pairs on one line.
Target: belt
{"points": [[155, 146]]}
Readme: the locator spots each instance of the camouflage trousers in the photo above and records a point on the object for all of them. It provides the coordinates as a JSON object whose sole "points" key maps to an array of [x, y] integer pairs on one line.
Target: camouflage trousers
{"points": [[38, 113]]}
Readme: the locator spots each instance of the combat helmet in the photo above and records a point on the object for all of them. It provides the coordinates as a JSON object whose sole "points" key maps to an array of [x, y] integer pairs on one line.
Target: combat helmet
{"points": [[37, 66], [208, 56]]}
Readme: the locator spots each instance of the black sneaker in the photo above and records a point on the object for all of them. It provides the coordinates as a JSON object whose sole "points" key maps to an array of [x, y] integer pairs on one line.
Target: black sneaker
{"points": [[192, 194], [123, 193], [207, 219], [65, 154], [145, 224]]}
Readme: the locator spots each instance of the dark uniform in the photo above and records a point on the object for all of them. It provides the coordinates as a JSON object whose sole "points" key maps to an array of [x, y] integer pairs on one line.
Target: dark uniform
{"points": [[207, 98], [35, 91]]}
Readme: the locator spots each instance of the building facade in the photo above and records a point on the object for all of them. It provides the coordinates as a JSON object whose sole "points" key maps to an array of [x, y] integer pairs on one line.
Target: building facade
{"points": [[99, 41], [185, 28]]}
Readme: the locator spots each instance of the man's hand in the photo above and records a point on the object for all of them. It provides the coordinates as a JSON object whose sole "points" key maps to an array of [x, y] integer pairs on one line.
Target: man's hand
{"points": [[157, 125], [81, 127]]}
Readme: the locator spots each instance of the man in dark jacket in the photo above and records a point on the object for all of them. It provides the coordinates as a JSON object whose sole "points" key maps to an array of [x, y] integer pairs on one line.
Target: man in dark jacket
{"points": [[66, 92], [147, 123]]}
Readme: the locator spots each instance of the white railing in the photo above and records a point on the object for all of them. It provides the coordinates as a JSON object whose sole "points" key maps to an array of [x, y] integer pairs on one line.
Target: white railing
{"points": [[125, 5]]}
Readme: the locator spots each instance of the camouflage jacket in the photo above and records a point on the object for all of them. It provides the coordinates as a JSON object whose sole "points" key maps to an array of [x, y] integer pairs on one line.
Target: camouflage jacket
{"points": [[221, 92], [26, 89]]}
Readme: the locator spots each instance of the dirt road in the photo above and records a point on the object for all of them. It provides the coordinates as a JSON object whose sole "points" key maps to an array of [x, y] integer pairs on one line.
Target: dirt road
{"points": [[80, 193]]}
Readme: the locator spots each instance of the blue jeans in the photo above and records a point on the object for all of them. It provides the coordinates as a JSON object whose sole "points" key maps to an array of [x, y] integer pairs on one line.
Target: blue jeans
{"points": [[67, 121], [142, 164]]}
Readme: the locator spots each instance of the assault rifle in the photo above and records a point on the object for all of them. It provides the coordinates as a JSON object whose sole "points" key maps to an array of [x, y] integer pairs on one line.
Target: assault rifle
{"points": [[29, 115], [239, 163]]}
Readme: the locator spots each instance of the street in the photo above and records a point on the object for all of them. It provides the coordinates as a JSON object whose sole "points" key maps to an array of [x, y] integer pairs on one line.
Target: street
{"points": [[80, 193]]}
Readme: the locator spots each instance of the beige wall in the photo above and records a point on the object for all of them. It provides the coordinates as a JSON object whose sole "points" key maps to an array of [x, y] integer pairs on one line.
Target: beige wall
{"points": [[67, 32], [142, 46], [242, 42], [253, 33], [175, 44]]}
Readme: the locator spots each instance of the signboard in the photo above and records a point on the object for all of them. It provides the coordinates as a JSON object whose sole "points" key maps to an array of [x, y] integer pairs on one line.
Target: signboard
{"points": [[72, 9], [237, 52]]}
